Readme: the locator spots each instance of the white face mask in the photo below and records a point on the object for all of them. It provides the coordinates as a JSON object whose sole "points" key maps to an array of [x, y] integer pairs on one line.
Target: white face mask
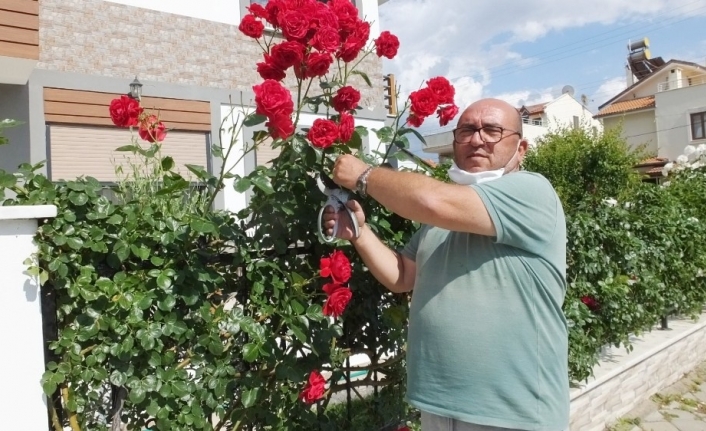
{"points": [[464, 178]]}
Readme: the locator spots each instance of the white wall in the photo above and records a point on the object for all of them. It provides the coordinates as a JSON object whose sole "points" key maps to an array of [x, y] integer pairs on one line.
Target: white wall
{"points": [[672, 117], [232, 118], [561, 113], [638, 128], [22, 361]]}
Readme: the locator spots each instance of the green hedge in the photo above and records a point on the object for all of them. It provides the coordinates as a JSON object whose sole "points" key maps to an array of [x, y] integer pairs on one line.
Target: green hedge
{"points": [[636, 250]]}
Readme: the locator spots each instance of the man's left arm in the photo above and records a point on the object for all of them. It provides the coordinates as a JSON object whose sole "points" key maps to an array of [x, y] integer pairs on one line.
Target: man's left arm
{"points": [[419, 198]]}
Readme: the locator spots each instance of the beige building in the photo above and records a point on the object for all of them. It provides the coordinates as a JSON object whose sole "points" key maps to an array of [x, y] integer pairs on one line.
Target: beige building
{"points": [[663, 108], [63, 61]]}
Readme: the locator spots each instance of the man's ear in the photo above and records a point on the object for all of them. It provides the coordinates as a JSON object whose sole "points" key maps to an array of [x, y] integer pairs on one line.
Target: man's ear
{"points": [[523, 147]]}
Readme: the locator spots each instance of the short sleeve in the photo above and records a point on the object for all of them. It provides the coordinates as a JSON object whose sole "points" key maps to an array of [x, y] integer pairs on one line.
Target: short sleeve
{"points": [[410, 250], [524, 208]]}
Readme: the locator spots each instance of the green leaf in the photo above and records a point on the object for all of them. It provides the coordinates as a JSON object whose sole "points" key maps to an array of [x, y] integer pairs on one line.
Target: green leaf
{"points": [[362, 130], [180, 388], [78, 199], [202, 226], [199, 171], [404, 130], [164, 282], [7, 180], [75, 243], [250, 397], [263, 184], [137, 395], [250, 352], [253, 120], [242, 184], [362, 75], [299, 333], [167, 163], [385, 134], [118, 378], [167, 304], [128, 148], [315, 312]]}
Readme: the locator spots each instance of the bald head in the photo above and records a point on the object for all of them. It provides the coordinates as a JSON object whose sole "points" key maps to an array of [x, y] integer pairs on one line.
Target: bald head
{"points": [[511, 118], [477, 154]]}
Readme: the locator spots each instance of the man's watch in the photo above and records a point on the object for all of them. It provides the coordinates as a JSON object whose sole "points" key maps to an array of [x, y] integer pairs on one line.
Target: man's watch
{"points": [[361, 185]]}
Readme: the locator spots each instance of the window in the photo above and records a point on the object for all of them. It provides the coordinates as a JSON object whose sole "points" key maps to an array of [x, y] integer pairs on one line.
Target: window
{"points": [[576, 122], [698, 125], [537, 121]]}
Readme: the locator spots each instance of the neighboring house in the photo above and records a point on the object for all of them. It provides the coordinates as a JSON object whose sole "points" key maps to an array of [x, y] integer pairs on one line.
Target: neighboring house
{"points": [[63, 61], [663, 111], [538, 120]]}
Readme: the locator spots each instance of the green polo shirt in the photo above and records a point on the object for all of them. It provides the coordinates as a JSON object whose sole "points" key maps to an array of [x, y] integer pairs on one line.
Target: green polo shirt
{"points": [[488, 341]]}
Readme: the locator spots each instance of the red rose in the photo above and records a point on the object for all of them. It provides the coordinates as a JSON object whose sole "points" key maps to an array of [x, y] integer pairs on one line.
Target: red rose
{"points": [[442, 88], [152, 130], [346, 127], [281, 126], [125, 111], [354, 42], [294, 24], [273, 99], [329, 288], [317, 64], [258, 11], [387, 45], [415, 121], [590, 302], [346, 99], [268, 70], [326, 39], [446, 114], [403, 429], [323, 16], [424, 102], [337, 301], [347, 14], [251, 26], [287, 54], [337, 266], [314, 389], [272, 8], [323, 133]]}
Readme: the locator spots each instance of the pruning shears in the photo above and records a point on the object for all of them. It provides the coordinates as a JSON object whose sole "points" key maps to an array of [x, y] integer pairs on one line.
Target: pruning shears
{"points": [[337, 198]]}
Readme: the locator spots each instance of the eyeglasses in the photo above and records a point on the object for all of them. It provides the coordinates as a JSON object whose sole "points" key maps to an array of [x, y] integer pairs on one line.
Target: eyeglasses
{"points": [[488, 134]]}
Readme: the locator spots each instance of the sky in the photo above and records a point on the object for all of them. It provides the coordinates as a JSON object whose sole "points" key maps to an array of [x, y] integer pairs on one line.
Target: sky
{"points": [[526, 52]]}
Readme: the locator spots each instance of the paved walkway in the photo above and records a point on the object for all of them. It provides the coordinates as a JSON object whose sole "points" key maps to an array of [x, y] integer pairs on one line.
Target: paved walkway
{"points": [[681, 407]]}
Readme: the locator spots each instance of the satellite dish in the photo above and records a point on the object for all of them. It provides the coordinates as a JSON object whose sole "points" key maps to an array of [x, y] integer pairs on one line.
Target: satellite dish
{"points": [[568, 90]]}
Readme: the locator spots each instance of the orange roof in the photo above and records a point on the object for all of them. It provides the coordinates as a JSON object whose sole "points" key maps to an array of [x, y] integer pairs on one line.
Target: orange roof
{"points": [[652, 161], [533, 109], [627, 106]]}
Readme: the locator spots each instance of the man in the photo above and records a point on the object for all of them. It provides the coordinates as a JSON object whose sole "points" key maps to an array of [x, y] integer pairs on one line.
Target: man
{"points": [[488, 343]]}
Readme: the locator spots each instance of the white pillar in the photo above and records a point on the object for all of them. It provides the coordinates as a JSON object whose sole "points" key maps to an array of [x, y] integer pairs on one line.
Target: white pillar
{"points": [[21, 340]]}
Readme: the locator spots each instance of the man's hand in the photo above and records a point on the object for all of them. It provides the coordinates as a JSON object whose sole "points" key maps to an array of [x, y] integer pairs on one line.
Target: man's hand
{"points": [[347, 170], [345, 226]]}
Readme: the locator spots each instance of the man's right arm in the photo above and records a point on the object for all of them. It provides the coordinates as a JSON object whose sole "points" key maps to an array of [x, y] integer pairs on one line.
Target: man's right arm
{"points": [[390, 268]]}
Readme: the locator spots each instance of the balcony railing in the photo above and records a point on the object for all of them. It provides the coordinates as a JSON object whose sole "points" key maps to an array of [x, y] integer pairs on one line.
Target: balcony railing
{"points": [[681, 83], [533, 122]]}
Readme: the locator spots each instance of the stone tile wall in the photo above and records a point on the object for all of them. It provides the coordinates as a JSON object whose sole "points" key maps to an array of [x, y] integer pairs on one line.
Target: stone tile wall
{"points": [[95, 37], [638, 377]]}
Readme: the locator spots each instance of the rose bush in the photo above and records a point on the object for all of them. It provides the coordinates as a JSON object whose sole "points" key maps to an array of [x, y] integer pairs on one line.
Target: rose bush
{"points": [[176, 316]]}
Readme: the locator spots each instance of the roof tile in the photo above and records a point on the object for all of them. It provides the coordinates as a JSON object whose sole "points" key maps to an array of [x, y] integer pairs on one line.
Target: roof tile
{"points": [[627, 106]]}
